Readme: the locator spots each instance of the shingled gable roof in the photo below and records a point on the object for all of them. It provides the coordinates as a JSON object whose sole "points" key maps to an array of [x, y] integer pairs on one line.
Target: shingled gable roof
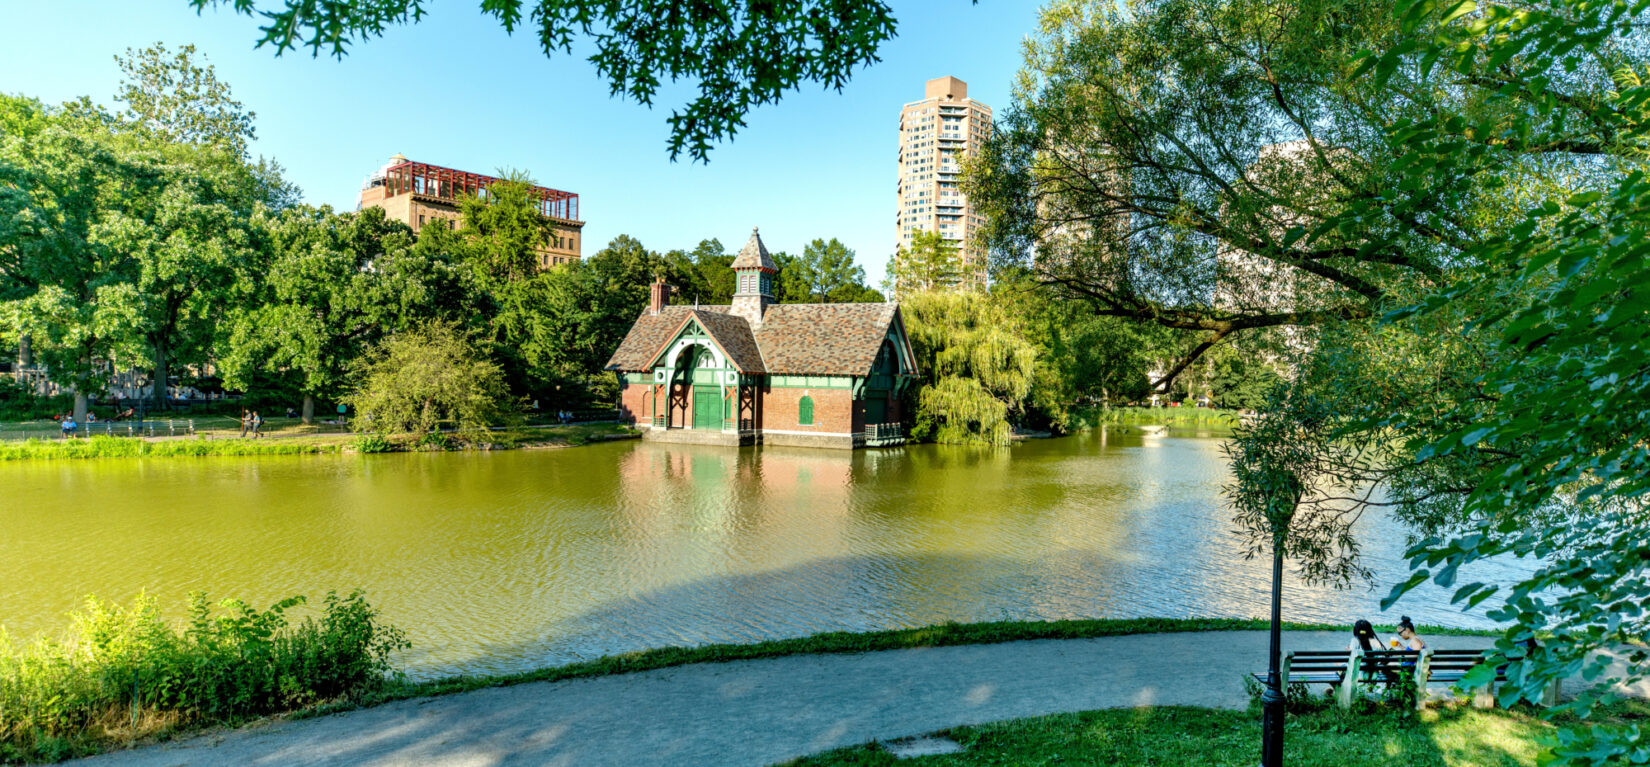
{"points": [[823, 339], [733, 334], [649, 335], [754, 255], [794, 339]]}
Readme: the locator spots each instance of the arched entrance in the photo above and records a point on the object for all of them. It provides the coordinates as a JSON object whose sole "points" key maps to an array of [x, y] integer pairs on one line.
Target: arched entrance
{"points": [[880, 385], [695, 396]]}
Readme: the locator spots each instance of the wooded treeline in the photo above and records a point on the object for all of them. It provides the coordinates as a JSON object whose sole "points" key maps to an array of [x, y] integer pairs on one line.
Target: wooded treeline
{"points": [[146, 238]]}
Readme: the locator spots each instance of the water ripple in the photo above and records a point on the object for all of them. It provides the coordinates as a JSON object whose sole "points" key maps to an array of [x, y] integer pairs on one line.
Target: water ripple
{"points": [[504, 561]]}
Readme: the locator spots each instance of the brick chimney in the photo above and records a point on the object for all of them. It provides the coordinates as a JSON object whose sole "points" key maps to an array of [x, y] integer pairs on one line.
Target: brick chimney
{"points": [[659, 298]]}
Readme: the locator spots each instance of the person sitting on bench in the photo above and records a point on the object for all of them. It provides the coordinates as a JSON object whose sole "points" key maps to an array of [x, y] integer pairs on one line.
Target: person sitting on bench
{"points": [[1363, 637], [1407, 638]]}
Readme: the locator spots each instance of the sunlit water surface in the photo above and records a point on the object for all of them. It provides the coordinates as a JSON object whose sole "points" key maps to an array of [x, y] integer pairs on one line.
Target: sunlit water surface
{"points": [[496, 562]]}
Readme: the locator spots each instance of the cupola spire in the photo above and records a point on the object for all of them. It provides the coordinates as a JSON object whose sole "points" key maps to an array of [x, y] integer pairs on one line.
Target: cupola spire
{"points": [[753, 273]]}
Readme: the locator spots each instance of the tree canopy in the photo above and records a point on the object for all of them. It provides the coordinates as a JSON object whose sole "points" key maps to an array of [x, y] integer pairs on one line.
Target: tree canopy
{"points": [[825, 273], [1499, 407], [176, 100], [1222, 167], [932, 262], [127, 232], [741, 55]]}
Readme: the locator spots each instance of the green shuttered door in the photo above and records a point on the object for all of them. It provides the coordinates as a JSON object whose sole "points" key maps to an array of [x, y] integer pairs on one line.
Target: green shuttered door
{"points": [[707, 407]]}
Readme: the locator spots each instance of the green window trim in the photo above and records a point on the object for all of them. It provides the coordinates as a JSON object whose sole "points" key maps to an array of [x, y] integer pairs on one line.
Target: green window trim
{"points": [[805, 411]]}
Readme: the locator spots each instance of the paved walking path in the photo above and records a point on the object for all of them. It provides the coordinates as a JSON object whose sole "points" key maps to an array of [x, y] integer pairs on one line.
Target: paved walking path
{"points": [[756, 713]]}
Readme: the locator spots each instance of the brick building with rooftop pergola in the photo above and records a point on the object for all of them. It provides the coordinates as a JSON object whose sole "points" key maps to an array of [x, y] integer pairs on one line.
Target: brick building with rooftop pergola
{"points": [[754, 371], [418, 194]]}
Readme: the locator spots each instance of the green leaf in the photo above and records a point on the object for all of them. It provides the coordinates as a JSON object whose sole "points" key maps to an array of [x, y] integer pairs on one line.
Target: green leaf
{"points": [[1415, 579], [1477, 435], [1458, 10]]}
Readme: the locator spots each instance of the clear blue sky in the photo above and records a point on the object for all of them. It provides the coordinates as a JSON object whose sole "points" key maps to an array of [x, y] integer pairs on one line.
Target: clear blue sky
{"points": [[455, 90]]}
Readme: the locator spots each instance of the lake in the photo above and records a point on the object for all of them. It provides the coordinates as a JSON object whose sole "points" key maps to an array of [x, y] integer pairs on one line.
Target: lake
{"points": [[504, 561]]}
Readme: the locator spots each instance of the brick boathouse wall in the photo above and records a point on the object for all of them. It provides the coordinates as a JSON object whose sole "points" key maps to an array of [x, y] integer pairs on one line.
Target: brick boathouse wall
{"points": [[836, 418], [634, 399]]}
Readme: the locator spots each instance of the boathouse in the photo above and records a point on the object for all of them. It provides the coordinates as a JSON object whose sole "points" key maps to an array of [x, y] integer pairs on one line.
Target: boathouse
{"points": [[760, 372]]}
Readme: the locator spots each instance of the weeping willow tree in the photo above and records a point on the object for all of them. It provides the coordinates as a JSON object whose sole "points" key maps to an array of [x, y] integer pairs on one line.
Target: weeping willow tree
{"points": [[979, 366]]}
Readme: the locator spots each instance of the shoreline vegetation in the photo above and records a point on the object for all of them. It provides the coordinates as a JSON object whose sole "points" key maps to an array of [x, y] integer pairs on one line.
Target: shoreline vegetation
{"points": [[99, 446], [290, 439], [1169, 415], [123, 677]]}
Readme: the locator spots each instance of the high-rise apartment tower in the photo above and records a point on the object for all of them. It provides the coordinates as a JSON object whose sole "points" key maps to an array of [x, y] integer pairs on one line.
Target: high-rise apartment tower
{"points": [[934, 135]]}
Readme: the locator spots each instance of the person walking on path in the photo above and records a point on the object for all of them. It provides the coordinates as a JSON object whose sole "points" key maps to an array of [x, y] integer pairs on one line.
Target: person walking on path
{"points": [[257, 425], [246, 422]]}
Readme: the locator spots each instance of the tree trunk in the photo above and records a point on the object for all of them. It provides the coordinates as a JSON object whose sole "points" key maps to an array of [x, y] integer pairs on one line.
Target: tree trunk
{"points": [[79, 406], [309, 409], [158, 393], [25, 351]]}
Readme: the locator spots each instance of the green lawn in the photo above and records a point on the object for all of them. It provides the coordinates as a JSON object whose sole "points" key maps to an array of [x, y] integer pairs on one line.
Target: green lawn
{"points": [[1197, 737], [213, 426], [292, 441], [205, 425]]}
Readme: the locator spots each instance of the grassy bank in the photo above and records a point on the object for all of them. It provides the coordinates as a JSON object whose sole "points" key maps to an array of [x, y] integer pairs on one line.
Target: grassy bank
{"points": [[124, 447], [137, 447], [124, 674], [1196, 737], [1168, 415]]}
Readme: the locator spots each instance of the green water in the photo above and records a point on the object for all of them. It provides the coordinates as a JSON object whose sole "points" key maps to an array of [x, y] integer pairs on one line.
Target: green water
{"points": [[510, 560]]}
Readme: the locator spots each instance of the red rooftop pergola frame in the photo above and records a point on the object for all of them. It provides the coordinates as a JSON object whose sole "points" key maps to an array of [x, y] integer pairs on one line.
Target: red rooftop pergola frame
{"points": [[448, 184]]}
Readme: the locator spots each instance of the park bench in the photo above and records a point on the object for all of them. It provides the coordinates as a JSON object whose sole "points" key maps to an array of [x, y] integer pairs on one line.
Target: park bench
{"points": [[1312, 667], [1386, 667], [1376, 667], [1452, 665]]}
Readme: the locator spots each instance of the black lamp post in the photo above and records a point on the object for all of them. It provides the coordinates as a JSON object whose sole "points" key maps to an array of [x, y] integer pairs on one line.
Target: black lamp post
{"points": [[1271, 727]]}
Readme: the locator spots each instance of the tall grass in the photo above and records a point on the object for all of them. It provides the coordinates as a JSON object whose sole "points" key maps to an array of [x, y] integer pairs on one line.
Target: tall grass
{"points": [[126, 447], [125, 673]]}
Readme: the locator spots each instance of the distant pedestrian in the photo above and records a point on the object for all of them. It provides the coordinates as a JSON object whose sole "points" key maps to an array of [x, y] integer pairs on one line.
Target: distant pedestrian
{"points": [[246, 422], [257, 425]]}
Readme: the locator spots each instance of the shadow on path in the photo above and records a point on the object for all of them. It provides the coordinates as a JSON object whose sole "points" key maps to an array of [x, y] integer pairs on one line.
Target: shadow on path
{"points": [[755, 713]]}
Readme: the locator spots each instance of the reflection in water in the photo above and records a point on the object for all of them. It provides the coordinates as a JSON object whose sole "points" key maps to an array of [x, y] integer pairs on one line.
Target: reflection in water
{"points": [[501, 561]]}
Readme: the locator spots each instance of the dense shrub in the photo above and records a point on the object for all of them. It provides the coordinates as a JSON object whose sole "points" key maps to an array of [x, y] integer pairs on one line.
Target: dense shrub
{"points": [[373, 443], [434, 441], [426, 379], [127, 672]]}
